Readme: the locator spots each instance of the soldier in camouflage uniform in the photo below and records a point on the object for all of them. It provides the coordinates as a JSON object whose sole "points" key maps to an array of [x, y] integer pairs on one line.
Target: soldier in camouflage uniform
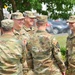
{"points": [[11, 51], [28, 27], [19, 32], [44, 51], [70, 45], [28, 22]]}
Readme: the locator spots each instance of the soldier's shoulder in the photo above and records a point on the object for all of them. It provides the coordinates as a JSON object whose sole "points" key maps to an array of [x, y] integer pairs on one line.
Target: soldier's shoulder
{"points": [[52, 38], [42, 35], [15, 41], [16, 32], [45, 36], [49, 36], [70, 36], [8, 39], [54, 41]]}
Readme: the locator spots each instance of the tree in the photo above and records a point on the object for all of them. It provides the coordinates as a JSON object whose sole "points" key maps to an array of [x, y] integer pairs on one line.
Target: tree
{"points": [[57, 8], [1, 12], [13, 5]]}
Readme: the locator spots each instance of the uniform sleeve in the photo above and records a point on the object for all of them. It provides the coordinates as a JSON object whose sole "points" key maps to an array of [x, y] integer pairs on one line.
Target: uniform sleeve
{"points": [[68, 46], [23, 60], [68, 51], [29, 57], [57, 55]]}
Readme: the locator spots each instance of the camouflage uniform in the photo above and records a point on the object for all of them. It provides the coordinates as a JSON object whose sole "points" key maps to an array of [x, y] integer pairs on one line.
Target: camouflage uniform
{"points": [[10, 56], [11, 52], [44, 51], [22, 35], [46, 55], [17, 15], [29, 30], [70, 52]]}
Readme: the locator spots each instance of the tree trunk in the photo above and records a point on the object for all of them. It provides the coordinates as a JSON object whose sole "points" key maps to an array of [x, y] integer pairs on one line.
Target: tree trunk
{"points": [[1, 12], [13, 5]]}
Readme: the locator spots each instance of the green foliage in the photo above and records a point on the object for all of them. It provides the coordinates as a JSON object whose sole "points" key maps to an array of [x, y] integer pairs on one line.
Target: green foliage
{"points": [[57, 8], [60, 7], [72, 1], [62, 42], [63, 50]]}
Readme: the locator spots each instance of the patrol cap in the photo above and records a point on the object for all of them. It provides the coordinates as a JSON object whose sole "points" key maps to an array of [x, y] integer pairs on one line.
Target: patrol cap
{"points": [[17, 15], [71, 19], [7, 23], [42, 18], [29, 14]]}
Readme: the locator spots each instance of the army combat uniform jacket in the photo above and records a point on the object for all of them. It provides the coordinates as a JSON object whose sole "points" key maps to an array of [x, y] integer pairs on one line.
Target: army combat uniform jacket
{"points": [[11, 55], [21, 34], [44, 51], [30, 31], [24, 37], [71, 54]]}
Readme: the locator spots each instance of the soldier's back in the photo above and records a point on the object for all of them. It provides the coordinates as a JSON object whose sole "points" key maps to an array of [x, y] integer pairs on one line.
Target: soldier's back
{"points": [[41, 48], [10, 55]]}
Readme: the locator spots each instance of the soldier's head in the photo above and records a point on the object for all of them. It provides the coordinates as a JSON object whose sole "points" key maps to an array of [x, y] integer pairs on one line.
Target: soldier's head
{"points": [[42, 20], [29, 18], [71, 22], [7, 25], [18, 19]]}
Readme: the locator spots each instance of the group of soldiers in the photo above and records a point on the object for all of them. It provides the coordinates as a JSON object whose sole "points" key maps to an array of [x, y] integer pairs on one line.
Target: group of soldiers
{"points": [[26, 48]]}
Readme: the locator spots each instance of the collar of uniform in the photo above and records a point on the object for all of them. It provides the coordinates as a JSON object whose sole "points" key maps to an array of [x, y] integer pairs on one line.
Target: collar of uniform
{"points": [[7, 35], [72, 35], [32, 28], [26, 28], [39, 31], [16, 32]]}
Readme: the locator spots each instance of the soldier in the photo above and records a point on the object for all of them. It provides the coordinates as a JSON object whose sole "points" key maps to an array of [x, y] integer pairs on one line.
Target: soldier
{"points": [[19, 32], [70, 46], [29, 22], [12, 51], [44, 51]]}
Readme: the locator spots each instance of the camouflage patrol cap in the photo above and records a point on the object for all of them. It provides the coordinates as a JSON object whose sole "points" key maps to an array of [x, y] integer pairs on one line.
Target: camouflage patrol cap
{"points": [[42, 18], [29, 14], [7, 23], [17, 15], [71, 19]]}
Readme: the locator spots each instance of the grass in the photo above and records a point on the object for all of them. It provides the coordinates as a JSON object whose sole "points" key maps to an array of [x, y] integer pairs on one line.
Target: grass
{"points": [[62, 42]]}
